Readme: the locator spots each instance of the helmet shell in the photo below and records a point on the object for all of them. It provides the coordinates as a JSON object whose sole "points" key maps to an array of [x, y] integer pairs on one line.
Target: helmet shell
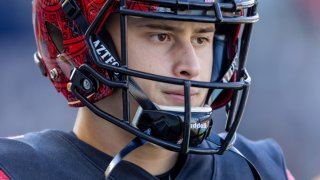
{"points": [[62, 45]]}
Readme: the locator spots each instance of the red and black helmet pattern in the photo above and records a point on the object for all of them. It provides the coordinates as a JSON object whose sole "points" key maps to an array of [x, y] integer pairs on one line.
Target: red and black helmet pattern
{"points": [[62, 46]]}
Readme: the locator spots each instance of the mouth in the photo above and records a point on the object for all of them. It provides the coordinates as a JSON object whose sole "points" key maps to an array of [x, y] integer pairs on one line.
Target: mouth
{"points": [[177, 97]]}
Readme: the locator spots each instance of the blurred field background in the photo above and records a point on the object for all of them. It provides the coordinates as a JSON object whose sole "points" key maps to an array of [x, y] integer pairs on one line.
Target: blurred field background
{"points": [[284, 62]]}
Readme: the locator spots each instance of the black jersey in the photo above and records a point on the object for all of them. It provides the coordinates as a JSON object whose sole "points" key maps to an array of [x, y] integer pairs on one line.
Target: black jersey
{"points": [[54, 154]]}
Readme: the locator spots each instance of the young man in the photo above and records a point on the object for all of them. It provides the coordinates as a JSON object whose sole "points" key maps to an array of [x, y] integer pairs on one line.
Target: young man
{"points": [[146, 76]]}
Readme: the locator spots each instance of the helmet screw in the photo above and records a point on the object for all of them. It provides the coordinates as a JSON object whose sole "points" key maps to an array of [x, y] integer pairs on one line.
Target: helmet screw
{"points": [[86, 84], [54, 73]]}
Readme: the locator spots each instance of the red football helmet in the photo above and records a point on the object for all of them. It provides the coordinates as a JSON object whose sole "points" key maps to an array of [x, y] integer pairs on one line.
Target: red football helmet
{"points": [[79, 58]]}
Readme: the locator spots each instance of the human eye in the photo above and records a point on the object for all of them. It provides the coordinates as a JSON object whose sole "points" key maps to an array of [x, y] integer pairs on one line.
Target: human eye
{"points": [[200, 40], [160, 37]]}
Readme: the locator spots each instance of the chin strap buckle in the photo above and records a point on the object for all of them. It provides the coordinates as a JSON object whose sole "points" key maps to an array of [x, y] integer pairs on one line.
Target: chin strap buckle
{"points": [[82, 81]]}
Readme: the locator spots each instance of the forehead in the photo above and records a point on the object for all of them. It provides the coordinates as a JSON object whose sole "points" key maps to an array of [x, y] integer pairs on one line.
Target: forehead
{"points": [[170, 25]]}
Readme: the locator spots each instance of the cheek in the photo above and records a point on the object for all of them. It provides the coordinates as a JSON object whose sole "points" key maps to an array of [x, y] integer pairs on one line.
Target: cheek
{"points": [[138, 54], [150, 88], [141, 58]]}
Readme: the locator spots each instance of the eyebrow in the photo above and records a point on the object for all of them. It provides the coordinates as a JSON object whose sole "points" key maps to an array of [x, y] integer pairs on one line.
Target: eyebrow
{"points": [[167, 27]]}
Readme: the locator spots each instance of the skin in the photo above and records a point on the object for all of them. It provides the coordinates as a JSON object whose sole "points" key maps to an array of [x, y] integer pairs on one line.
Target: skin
{"points": [[169, 48]]}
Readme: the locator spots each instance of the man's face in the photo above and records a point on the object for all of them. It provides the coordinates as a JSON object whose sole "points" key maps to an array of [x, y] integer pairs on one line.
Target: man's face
{"points": [[168, 48]]}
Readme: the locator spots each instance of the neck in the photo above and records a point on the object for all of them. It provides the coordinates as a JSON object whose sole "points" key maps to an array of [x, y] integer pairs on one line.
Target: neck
{"points": [[111, 139]]}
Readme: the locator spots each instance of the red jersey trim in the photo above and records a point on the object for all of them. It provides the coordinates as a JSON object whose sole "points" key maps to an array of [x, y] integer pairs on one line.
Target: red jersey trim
{"points": [[289, 175], [3, 176]]}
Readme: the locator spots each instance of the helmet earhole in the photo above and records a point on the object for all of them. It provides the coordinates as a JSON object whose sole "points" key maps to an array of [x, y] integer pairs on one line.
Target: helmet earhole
{"points": [[56, 36]]}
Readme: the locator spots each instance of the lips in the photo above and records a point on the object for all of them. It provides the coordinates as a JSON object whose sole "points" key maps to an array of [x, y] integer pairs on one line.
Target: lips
{"points": [[177, 97]]}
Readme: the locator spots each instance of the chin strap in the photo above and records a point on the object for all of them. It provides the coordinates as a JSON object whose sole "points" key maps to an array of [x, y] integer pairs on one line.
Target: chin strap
{"points": [[168, 122], [131, 146], [217, 140], [140, 96], [163, 122], [253, 169], [138, 142]]}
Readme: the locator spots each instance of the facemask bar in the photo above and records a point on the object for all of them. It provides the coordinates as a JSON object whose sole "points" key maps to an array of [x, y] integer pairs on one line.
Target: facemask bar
{"points": [[124, 57], [233, 120], [124, 124], [216, 7], [239, 101]]}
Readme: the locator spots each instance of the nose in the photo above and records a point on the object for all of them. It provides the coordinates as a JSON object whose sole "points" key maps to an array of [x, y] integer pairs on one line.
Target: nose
{"points": [[186, 61]]}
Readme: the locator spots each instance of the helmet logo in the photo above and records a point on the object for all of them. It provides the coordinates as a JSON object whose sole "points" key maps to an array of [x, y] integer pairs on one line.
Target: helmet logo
{"points": [[105, 53], [198, 125]]}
